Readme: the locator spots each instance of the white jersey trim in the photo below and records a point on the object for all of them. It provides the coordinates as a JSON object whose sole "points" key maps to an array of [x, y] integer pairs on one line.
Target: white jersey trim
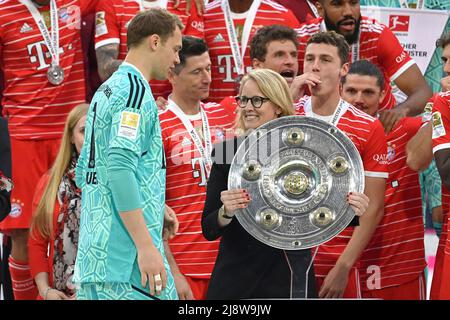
{"points": [[373, 174], [106, 42], [402, 69], [441, 147]]}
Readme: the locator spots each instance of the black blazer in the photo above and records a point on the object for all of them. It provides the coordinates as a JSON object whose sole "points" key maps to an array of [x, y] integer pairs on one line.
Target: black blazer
{"points": [[245, 267], [5, 167]]}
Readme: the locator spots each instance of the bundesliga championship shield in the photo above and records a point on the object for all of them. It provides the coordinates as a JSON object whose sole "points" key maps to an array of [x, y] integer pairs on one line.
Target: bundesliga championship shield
{"points": [[298, 172]]}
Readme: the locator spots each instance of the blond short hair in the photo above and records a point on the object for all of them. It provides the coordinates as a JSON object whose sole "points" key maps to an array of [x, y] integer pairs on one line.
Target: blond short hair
{"points": [[274, 87]]}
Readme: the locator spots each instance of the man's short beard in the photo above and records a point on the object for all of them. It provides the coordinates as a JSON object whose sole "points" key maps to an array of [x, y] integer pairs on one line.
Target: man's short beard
{"points": [[352, 38]]}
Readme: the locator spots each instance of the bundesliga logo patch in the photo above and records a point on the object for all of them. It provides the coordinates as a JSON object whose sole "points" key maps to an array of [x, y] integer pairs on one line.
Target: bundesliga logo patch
{"points": [[129, 124], [438, 125]]}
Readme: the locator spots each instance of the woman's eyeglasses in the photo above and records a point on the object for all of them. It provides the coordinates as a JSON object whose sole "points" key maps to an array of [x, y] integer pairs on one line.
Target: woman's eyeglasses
{"points": [[256, 101]]}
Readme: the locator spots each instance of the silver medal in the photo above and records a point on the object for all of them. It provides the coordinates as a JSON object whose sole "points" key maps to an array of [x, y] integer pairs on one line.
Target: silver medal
{"points": [[55, 75]]}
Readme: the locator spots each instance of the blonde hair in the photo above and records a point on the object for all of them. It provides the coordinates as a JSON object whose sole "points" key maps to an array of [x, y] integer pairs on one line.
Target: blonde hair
{"points": [[274, 87], [42, 221]]}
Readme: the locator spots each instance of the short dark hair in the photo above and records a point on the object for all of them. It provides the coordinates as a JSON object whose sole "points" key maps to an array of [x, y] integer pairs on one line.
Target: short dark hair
{"points": [[191, 46], [444, 40], [366, 68], [155, 21], [335, 39], [267, 34]]}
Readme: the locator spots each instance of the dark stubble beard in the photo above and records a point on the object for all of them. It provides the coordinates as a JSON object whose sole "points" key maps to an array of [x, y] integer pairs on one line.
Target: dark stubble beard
{"points": [[352, 38]]}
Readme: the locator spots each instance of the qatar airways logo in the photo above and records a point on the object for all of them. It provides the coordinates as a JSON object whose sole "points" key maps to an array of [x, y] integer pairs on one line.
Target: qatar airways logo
{"points": [[399, 23], [381, 158]]}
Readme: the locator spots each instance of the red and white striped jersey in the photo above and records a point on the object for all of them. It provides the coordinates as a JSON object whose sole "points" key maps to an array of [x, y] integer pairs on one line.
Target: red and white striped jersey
{"points": [[396, 251], [37, 109], [229, 103], [186, 186], [376, 43], [367, 134], [223, 70], [113, 17], [441, 141]]}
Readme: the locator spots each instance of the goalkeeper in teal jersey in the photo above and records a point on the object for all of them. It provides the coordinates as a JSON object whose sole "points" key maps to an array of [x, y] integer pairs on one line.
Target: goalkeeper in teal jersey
{"points": [[121, 171]]}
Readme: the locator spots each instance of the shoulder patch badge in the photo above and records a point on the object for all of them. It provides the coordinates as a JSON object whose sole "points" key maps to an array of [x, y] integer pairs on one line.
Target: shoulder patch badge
{"points": [[438, 125], [129, 125]]}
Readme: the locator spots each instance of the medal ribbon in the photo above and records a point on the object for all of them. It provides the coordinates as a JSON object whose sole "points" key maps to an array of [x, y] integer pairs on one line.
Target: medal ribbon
{"points": [[51, 38], [238, 55], [205, 152]]}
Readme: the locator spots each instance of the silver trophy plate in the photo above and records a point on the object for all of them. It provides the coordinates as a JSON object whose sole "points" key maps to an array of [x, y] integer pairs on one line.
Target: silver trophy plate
{"points": [[55, 75], [298, 171]]}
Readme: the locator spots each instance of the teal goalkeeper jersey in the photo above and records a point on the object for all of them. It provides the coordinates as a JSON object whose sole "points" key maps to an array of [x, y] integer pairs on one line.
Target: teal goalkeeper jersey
{"points": [[122, 115]]}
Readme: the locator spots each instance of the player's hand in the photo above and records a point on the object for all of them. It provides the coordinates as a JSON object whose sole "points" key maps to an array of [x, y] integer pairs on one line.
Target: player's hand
{"points": [[199, 3], [334, 284], [152, 269], [171, 223], [54, 294], [183, 289], [389, 118], [233, 200], [359, 202], [298, 84], [161, 103], [445, 82]]}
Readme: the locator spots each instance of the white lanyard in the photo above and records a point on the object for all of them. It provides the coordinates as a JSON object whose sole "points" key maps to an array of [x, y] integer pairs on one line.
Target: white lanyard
{"points": [[313, 9], [238, 55], [51, 39], [162, 4], [336, 115], [403, 4], [205, 152], [420, 4], [354, 47]]}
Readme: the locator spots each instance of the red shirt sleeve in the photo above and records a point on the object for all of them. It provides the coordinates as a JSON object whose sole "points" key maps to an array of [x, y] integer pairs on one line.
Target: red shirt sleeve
{"points": [[374, 156], [412, 125], [37, 244], [391, 55], [194, 25], [441, 122], [107, 29], [291, 20]]}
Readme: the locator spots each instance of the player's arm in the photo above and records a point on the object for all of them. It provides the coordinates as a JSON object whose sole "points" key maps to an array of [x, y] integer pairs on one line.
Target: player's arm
{"points": [[442, 158], [413, 84], [336, 281], [200, 4], [122, 164], [419, 149], [107, 60], [441, 136], [183, 289]]}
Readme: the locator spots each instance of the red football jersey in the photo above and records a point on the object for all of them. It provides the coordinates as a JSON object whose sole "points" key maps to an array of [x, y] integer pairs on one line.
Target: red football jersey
{"points": [[113, 16], [223, 70], [367, 134], [441, 141], [376, 43], [186, 186], [37, 109], [396, 251]]}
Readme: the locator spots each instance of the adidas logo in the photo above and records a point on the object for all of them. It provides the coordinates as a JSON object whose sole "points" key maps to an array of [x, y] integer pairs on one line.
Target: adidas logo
{"points": [[186, 142], [219, 38], [25, 28]]}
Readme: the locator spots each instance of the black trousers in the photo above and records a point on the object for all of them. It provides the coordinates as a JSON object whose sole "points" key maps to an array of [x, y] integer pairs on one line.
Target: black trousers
{"points": [[5, 277]]}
